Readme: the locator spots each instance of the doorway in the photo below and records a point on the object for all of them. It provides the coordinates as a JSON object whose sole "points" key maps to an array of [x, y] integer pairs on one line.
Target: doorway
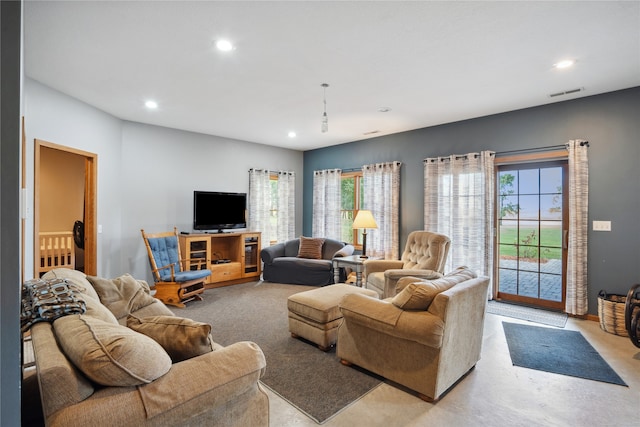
{"points": [[532, 231], [64, 208]]}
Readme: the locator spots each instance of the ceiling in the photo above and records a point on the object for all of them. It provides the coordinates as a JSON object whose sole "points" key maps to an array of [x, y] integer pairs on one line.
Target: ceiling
{"points": [[429, 62]]}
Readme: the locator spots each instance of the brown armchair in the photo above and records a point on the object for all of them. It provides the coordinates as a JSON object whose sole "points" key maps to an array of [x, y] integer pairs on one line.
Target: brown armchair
{"points": [[424, 256], [425, 338]]}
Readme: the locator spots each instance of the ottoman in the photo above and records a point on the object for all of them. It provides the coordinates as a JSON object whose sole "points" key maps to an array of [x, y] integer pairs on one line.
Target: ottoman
{"points": [[314, 315]]}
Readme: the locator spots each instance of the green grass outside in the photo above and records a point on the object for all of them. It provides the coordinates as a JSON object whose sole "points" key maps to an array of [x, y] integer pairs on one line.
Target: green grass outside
{"points": [[550, 242]]}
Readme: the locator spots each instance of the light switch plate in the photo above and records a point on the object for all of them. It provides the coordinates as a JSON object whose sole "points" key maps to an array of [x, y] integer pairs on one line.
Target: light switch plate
{"points": [[601, 225]]}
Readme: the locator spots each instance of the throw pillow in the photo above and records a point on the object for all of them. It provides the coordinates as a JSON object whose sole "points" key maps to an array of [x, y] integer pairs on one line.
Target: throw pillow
{"points": [[47, 300], [75, 276], [420, 294], [122, 295], [310, 247], [110, 354], [181, 338], [97, 310]]}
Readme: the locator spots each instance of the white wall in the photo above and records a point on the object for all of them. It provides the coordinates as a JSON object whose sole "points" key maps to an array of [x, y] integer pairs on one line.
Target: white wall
{"points": [[146, 174], [55, 117], [162, 167]]}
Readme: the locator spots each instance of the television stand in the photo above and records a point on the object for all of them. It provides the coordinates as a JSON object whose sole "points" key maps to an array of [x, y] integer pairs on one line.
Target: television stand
{"points": [[232, 257]]}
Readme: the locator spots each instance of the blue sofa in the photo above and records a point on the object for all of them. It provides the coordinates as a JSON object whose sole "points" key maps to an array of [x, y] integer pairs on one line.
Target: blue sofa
{"points": [[282, 265]]}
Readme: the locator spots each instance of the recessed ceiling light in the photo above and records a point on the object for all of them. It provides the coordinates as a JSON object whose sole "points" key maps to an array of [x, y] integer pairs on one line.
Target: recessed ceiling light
{"points": [[564, 64], [151, 104], [291, 134], [224, 45]]}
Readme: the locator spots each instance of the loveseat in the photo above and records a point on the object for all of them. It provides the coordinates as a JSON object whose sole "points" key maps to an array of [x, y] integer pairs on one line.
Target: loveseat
{"points": [[427, 337], [287, 263], [127, 378]]}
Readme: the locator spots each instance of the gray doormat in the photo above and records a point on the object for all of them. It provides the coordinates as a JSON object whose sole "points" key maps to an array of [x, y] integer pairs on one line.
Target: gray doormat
{"points": [[536, 315], [558, 351]]}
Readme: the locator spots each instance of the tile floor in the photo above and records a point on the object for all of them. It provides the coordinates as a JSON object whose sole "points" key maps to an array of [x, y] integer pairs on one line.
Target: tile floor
{"points": [[498, 394], [494, 394]]}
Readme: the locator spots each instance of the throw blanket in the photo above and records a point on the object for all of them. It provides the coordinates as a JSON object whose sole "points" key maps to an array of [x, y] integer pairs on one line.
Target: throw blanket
{"points": [[47, 300]]}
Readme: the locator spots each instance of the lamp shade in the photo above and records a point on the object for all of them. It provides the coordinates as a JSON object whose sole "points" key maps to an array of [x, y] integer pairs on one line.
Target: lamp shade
{"points": [[364, 219]]}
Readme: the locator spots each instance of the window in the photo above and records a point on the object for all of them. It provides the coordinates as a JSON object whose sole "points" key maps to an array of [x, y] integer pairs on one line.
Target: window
{"points": [[272, 204], [352, 197]]}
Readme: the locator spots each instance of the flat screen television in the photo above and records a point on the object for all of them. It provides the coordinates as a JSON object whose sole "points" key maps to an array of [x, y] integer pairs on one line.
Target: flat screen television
{"points": [[217, 211]]}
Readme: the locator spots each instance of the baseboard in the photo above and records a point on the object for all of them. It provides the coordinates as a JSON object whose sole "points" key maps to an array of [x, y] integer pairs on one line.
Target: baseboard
{"points": [[593, 317]]}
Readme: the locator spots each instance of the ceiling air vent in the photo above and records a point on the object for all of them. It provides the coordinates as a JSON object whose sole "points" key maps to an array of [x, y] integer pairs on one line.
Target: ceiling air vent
{"points": [[371, 132], [566, 92]]}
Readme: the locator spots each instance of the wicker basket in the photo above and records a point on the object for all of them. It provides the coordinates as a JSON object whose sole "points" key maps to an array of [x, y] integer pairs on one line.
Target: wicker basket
{"points": [[611, 313]]}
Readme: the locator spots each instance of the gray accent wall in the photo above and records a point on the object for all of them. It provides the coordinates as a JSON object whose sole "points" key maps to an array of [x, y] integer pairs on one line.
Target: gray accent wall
{"points": [[10, 111], [610, 122]]}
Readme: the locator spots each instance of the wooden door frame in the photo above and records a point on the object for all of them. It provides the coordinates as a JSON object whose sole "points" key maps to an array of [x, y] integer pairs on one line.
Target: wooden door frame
{"points": [[90, 204]]}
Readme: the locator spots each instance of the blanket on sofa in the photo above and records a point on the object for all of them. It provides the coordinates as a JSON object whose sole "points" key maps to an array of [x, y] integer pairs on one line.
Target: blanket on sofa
{"points": [[47, 300]]}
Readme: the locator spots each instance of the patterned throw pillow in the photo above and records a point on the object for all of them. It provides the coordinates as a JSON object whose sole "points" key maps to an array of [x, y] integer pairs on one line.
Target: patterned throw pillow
{"points": [[47, 300], [310, 247], [181, 338], [76, 277]]}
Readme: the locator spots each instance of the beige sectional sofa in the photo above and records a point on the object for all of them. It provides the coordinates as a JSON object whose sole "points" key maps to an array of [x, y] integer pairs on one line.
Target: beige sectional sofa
{"points": [[142, 385], [426, 337]]}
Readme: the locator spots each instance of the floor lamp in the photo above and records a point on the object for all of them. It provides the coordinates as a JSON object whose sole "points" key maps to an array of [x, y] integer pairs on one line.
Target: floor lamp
{"points": [[364, 220]]}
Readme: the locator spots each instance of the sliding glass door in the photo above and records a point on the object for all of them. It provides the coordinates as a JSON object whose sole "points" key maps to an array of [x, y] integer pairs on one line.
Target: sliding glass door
{"points": [[532, 231]]}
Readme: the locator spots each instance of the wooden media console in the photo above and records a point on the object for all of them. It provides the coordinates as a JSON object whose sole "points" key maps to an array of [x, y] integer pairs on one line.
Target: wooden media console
{"points": [[232, 257]]}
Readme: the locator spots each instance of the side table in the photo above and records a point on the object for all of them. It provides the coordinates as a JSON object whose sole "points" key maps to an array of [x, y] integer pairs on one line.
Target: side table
{"points": [[353, 261]]}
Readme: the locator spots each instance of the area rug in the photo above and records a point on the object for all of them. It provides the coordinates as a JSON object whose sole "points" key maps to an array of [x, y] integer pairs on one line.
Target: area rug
{"points": [[536, 315], [558, 351], [313, 381]]}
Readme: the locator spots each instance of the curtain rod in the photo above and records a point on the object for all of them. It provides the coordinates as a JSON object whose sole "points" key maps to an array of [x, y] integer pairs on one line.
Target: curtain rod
{"points": [[549, 147], [373, 164], [270, 171], [458, 157]]}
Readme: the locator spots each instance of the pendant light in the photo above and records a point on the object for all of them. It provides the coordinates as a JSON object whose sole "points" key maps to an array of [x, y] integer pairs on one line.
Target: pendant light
{"points": [[324, 126]]}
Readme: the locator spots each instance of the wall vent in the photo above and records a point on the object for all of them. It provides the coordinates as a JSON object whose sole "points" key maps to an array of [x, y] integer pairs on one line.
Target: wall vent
{"points": [[566, 92]]}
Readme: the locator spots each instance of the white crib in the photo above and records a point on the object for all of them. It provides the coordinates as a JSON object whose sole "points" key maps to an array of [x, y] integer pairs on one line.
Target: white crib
{"points": [[57, 250]]}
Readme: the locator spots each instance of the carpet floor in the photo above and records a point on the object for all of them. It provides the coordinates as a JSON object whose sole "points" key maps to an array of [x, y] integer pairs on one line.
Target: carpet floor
{"points": [[559, 351], [312, 380]]}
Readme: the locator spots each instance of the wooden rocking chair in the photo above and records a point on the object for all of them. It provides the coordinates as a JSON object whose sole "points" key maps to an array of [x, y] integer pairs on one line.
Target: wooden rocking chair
{"points": [[175, 281]]}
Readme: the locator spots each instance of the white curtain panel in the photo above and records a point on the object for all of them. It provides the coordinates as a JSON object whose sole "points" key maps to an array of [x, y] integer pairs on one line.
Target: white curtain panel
{"points": [[326, 203], [260, 204], [458, 202], [577, 299], [286, 206], [381, 187]]}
